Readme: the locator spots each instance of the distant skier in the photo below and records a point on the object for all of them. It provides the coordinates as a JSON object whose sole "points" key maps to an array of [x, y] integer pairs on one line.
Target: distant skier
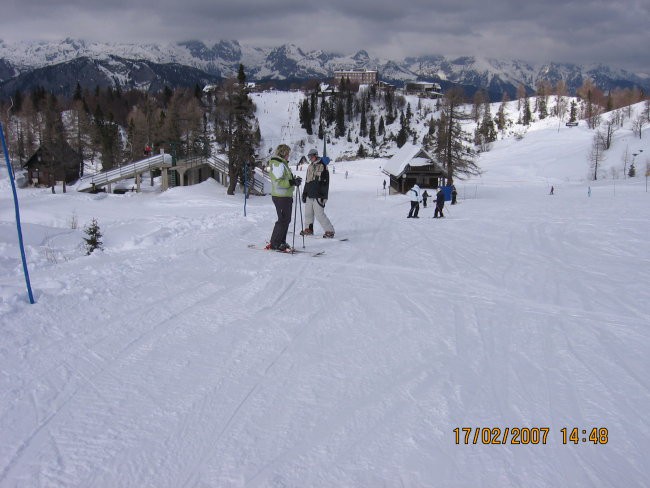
{"points": [[282, 184], [315, 193], [552, 190], [384, 184], [414, 193], [440, 204], [454, 194], [425, 195]]}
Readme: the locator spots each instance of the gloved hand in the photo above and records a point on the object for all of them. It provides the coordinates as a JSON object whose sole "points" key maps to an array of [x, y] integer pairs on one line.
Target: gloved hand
{"points": [[304, 198], [296, 181]]}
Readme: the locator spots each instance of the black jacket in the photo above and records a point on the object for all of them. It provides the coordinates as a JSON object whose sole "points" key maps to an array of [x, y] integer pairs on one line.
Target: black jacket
{"points": [[440, 198], [318, 181]]}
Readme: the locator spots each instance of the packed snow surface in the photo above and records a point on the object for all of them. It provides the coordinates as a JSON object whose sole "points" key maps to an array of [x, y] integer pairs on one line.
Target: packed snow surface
{"points": [[178, 357]]}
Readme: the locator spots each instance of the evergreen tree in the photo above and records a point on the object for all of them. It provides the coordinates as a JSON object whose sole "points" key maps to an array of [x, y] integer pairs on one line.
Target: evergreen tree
{"points": [[381, 130], [93, 240], [340, 119], [363, 124], [313, 107], [372, 134], [632, 172], [243, 143], [500, 119], [305, 116], [527, 113], [485, 131], [573, 112], [403, 134], [457, 157]]}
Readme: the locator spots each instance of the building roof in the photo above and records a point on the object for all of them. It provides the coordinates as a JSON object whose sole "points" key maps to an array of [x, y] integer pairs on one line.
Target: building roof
{"points": [[408, 155]]}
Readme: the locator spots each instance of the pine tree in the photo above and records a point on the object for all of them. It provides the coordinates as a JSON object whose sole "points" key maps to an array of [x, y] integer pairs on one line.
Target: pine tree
{"points": [[237, 128], [93, 241], [527, 114], [500, 119], [403, 134], [340, 119], [305, 116], [372, 134], [457, 157], [573, 112], [632, 172], [363, 125]]}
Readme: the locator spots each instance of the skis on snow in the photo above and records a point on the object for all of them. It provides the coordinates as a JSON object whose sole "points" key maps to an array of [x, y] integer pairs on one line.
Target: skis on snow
{"points": [[288, 251]]}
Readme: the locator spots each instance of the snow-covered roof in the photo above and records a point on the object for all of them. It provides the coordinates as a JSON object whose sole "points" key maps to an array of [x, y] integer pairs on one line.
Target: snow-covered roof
{"points": [[408, 154]]}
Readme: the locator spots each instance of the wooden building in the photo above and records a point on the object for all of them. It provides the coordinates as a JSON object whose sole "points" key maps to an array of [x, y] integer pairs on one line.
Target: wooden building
{"points": [[53, 162], [410, 165], [423, 89]]}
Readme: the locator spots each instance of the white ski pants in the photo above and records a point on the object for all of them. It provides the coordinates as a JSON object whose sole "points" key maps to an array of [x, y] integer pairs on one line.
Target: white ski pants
{"points": [[314, 209]]}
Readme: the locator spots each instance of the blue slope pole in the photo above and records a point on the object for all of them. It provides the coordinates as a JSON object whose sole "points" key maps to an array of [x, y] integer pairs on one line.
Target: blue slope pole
{"points": [[20, 232]]}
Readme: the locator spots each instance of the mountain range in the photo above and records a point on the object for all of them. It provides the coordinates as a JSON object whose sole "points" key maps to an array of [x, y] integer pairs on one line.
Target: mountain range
{"points": [[58, 66]]}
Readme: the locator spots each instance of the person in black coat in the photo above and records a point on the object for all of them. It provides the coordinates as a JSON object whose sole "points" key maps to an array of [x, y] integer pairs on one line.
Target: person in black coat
{"points": [[440, 204]]}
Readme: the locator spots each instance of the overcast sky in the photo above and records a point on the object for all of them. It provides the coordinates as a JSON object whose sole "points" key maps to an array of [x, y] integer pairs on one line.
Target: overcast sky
{"points": [[616, 33]]}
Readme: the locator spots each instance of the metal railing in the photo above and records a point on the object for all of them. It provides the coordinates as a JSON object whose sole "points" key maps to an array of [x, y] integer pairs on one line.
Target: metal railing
{"points": [[164, 161], [126, 171]]}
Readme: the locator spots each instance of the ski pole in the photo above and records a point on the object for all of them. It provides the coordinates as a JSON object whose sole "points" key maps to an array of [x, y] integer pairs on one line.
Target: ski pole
{"points": [[302, 226], [295, 211]]}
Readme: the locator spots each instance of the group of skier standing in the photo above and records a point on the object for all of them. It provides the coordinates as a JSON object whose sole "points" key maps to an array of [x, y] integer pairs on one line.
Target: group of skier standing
{"points": [[284, 184], [418, 196], [314, 195]]}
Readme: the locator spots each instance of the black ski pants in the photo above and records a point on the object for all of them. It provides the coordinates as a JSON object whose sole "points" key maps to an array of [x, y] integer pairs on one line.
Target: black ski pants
{"points": [[438, 212], [415, 208], [283, 207]]}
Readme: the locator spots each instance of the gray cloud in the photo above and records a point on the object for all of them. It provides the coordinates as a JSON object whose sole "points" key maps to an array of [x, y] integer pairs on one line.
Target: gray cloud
{"points": [[584, 31]]}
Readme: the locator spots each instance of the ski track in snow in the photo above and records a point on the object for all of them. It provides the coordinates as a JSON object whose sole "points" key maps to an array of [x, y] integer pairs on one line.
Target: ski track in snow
{"points": [[177, 358]]}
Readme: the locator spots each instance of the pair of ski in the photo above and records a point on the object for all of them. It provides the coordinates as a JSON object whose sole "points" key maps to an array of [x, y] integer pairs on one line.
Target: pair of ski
{"points": [[292, 250], [289, 250]]}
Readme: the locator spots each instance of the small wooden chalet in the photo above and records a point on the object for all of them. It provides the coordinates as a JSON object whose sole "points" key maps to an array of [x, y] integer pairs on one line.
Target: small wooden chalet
{"points": [[53, 162], [411, 165], [423, 89]]}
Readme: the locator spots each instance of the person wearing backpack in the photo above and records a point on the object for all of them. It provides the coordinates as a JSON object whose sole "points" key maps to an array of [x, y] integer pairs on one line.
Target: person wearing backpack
{"points": [[315, 193], [282, 187], [414, 193]]}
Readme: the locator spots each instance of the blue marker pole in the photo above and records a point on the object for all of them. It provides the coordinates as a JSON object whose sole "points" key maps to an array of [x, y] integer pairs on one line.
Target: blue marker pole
{"points": [[20, 233]]}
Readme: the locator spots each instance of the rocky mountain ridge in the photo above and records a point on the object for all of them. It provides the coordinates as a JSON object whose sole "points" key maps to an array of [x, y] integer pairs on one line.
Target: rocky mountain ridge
{"points": [[59, 65]]}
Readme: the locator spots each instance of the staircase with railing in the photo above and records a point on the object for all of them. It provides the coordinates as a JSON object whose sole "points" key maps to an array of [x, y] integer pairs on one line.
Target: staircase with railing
{"points": [[94, 182], [130, 170]]}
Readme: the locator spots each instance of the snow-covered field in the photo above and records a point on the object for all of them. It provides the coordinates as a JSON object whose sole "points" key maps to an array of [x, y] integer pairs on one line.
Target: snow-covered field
{"points": [[180, 358]]}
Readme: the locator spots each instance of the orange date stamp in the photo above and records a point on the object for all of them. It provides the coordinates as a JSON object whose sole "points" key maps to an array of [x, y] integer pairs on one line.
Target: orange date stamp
{"points": [[528, 435]]}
